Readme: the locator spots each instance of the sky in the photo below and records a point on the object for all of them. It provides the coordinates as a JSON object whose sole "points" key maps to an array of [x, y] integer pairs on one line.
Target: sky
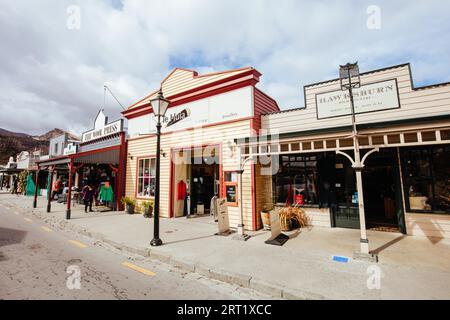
{"points": [[56, 56]]}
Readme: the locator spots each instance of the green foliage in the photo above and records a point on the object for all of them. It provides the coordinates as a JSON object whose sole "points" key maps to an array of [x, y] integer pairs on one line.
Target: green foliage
{"points": [[127, 201]]}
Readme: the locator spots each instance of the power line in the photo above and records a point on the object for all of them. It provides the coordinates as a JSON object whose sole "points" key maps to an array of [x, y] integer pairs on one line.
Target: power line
{"points": [[105, 87]]}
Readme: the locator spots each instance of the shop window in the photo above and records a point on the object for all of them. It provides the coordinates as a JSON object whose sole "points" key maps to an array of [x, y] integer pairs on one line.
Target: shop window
{"points": [[296, 180], [146, 177], [427, 177], [428, 136], [284, 147], [377, 140], [318, 144], [445, 134], [410, 137], [363, 141], [306, 145], [345, 143], [394, 138], [295, 147], [331, 144]]}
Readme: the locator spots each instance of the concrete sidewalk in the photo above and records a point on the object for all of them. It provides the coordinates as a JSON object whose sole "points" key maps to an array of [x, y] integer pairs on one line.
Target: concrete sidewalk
{"points": [[411, 267]]}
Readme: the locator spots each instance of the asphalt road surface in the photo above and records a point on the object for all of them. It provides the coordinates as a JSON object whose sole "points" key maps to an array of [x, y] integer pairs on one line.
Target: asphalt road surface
{"points": [[38, 262]]}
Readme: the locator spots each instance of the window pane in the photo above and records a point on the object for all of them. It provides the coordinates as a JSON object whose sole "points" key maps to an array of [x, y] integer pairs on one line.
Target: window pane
{"points": [[418, 163], [153, 167], [441, 169], [420, 194]]}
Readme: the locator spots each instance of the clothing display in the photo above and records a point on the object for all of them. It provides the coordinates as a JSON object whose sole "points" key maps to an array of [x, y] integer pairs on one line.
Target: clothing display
{"points": [[106, 193], [181, 190]]}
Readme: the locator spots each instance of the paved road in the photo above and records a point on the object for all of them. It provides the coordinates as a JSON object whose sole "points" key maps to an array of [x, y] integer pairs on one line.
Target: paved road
{"points": [[35, 260]]}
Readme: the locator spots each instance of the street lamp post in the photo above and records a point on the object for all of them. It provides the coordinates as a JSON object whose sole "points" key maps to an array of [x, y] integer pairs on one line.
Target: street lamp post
{"points": [[350, 79], [241, 235], [159, 106]]}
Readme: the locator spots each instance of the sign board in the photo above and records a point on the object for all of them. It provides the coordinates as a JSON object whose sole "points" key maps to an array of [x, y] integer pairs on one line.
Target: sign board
{"points": [[229, 106], [368, 98], [277, 238], [71, 148], [102, 128], [222, 215], [231, 192], [275, 225]]}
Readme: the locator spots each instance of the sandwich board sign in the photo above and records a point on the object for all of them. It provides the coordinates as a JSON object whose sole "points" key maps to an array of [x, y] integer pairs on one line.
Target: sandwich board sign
{"points": [[222, 216], [277, 238]]}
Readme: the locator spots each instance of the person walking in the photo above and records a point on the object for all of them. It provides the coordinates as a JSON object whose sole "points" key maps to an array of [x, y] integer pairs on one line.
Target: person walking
{"points": [[88, 195]]}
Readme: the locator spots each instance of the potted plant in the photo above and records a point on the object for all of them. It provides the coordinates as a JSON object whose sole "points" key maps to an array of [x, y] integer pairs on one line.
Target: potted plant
{"points": [[292, 218], [148, 208], [265, 216], [129, 204]]}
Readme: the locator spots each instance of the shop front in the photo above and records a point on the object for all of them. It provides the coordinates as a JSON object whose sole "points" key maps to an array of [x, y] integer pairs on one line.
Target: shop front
{"points": [[99, 163], [404, 138], [198, 153]]}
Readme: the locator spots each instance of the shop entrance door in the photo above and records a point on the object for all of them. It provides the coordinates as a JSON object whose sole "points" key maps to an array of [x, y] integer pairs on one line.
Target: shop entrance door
{"points": [[195, 180], [382, 191]]}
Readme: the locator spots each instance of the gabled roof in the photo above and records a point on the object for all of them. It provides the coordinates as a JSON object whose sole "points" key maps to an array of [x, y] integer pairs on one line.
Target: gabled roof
{"points": [[183, 80]]}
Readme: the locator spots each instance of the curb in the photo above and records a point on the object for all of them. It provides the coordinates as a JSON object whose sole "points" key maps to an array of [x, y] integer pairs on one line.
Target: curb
{"points": [[222, 275]]}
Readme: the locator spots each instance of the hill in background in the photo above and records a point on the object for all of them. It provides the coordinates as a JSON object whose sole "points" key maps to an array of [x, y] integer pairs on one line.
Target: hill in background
{"points": [[12, 143]]}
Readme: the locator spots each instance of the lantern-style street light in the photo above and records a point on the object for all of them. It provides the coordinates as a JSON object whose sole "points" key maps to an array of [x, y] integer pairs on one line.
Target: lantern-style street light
{"points": [[349, 80], [159, 106]]}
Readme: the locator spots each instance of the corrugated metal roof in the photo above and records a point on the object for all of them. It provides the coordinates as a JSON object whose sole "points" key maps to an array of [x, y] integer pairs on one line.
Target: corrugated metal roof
{"points": [[181, 80]]}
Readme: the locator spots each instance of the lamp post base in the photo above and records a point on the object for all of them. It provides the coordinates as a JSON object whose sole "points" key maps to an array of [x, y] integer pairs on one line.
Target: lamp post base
{"points": [[369, 257], [241, 237], [156, 242], [49, 207], [34, 204], [68, 212]]}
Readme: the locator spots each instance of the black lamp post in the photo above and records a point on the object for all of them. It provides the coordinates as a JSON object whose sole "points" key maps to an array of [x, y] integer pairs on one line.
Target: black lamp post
{"points": [[159, 106]]}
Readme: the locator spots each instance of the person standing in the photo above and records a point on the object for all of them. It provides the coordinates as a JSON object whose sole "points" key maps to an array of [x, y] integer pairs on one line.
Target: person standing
{"points": [[88, 195], [57, 185]]}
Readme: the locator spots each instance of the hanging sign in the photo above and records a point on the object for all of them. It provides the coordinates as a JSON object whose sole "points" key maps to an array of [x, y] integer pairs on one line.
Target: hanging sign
{"points": [[370, 97]]}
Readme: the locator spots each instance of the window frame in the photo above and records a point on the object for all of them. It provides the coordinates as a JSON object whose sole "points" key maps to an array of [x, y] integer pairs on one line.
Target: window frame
{"points": [[430, 179], [138, 159]]}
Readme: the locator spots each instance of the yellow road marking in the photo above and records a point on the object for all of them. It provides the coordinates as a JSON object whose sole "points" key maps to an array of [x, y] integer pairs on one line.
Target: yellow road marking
{"points": [[28, 220], [46, 229], [78, 244], [138, 269]]}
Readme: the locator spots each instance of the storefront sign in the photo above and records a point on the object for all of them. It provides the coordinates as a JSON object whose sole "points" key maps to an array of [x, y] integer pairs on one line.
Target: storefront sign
{"points": [[177, 117], [71, 148], [222, 215], [231, 193], [230, 106], [368, 98], [102, 128]]}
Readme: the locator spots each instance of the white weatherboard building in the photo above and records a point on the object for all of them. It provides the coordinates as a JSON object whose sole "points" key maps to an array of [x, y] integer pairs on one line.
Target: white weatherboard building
{"points": [[405, 183]]}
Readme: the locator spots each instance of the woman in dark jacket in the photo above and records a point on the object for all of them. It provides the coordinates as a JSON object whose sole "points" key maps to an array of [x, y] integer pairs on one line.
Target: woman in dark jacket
{"points": [[88, 195]]}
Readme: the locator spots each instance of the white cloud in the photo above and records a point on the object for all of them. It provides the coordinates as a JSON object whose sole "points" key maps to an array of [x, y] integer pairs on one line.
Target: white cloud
{"points": [[51, 76]]}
